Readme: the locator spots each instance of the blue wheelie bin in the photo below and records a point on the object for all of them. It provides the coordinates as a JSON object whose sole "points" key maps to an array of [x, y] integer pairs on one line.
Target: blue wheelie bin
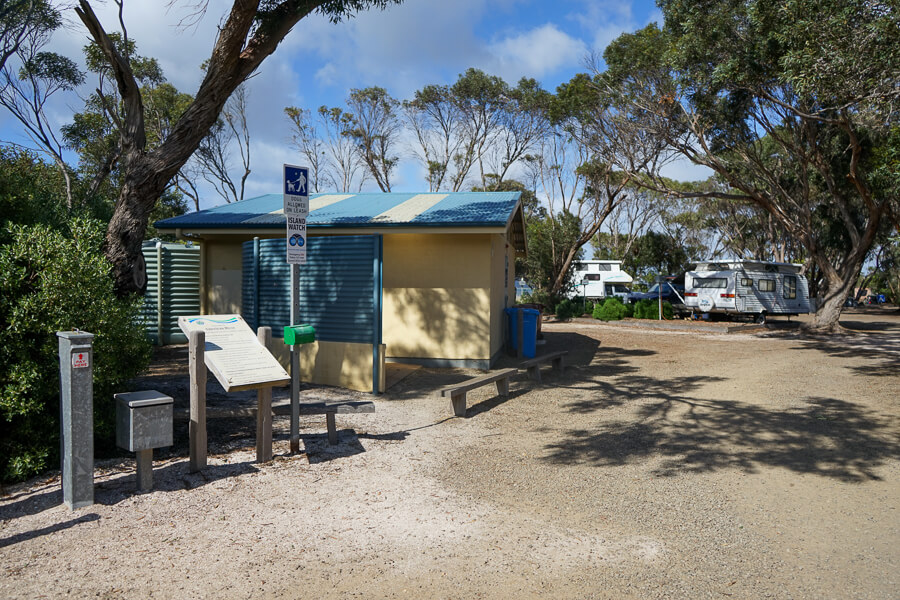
{"points": [[530, 319]]}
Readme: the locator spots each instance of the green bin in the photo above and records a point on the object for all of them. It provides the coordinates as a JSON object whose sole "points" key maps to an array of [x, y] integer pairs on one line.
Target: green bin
{"points": [[299, 334]]}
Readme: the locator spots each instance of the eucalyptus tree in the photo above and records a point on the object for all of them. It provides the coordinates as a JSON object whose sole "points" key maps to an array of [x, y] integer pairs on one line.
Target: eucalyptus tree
{"points": [[94, 132], [375, 129], [305, 138], [249, 32], [523, 123], [326, 142], [212, 161], [587, 161], [435, 122], [30, 76], [788, 103], [21, 20]]}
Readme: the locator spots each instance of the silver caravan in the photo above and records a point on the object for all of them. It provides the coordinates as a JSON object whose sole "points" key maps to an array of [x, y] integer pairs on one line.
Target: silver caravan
{"points": [[747, 287]]}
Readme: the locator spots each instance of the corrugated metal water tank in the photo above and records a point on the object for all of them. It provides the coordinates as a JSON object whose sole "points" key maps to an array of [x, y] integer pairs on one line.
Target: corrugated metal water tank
{"points": [[174, 269], [340, 287]]}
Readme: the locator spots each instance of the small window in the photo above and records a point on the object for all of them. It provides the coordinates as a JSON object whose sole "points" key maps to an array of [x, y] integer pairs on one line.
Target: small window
{"points": [[592, 277], [710, 282], [746, 282], [767, 285], [790, 287]]}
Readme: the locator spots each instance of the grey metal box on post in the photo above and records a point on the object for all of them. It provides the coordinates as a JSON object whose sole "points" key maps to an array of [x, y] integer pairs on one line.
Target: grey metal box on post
{"points": [[143, 422]]}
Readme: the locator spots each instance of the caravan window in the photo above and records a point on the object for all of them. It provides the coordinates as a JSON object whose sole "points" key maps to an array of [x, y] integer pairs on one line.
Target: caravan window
{"points": [[592, 277], [746, 282], [790, 287], [710, 282], [767, 285]]}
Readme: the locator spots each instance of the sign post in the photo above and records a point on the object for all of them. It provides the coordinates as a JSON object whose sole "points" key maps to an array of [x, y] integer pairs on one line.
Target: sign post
{"points": [[296, 211]]}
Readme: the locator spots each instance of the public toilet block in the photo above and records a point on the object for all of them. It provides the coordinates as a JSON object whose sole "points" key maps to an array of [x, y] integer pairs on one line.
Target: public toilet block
{"points": [[439, 269]]}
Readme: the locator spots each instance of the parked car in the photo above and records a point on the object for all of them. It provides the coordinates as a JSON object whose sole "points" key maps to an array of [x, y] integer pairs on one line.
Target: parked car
{"points": [[668, 294]]}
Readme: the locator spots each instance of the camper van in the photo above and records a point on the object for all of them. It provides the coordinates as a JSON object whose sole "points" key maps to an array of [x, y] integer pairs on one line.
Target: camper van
{"points": [[595, 279], [747, 287]]}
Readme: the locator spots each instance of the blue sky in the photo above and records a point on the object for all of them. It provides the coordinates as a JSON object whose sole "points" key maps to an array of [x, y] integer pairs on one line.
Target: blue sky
{"points": [[402, 49]]}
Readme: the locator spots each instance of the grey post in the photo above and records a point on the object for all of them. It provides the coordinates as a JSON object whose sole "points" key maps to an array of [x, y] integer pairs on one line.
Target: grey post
{"points": [[264, 408], [295, 362], [197, 426], [76, 385]]}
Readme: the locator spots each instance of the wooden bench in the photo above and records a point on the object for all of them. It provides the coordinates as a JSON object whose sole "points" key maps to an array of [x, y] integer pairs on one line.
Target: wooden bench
{"points": [[329, 409], [534, 364], [458, 391]]}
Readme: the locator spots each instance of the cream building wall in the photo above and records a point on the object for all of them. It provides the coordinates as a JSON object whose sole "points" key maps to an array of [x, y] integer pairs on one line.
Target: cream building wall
{"points": [[437, 296]]}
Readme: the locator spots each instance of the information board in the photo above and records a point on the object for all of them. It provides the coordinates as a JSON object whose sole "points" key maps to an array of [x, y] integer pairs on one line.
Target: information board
{"points": [[234, 354]]}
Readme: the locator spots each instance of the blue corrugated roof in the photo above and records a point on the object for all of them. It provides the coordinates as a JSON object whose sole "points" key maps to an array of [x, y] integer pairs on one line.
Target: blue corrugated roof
{"points": [[459, 209]]}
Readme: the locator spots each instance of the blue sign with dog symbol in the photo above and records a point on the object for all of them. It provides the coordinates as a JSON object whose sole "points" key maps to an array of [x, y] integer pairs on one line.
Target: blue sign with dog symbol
{"points": [[296, 180]]}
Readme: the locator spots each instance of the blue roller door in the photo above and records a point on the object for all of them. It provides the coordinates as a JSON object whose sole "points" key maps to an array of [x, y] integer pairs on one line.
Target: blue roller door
{"points": [[340, 287]]}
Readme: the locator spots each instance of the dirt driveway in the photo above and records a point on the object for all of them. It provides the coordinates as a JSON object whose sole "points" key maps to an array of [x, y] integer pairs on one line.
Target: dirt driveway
{"points": [[662, 464]]}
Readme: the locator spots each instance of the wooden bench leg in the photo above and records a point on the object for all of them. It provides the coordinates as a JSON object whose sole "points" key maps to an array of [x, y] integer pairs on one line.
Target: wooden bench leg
{"points": [[264, 425], [559, 364], [459, 404], [503, 387], [535, 372], [332, 429]]}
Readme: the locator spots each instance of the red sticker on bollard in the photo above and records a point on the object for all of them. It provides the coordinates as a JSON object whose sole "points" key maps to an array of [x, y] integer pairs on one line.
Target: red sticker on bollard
{"points": [[80, 360]]}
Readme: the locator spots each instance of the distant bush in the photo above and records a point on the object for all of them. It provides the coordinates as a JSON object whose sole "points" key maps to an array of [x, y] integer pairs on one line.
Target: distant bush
{"points": [[53, 280], [566, 309], [629, 311], [611, 310], [540, 297], [649, 309], [645, 309]]}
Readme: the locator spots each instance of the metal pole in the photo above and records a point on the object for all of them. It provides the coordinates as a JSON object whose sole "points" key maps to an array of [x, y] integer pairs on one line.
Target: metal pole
{"points": [[295, 362], [660, 281], [159, 296], [76, 386]]}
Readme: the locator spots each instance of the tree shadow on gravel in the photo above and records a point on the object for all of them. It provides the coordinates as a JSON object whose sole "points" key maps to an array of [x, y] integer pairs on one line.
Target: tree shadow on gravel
{"points": [[882, 352], [827, 436]]}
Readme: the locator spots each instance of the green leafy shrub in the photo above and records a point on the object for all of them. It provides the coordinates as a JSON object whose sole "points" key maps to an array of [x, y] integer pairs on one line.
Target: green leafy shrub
{"points": [[611, 310], [645, 309], [629, 311], [649, 309], [52, 280], [566, 309]]}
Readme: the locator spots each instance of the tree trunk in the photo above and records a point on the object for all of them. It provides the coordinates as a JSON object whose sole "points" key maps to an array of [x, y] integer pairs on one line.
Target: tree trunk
{"points": [[147, 174]]}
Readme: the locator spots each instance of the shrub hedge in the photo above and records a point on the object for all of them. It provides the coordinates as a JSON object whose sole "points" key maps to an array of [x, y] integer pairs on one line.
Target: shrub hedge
{"points": [[53, 279]]}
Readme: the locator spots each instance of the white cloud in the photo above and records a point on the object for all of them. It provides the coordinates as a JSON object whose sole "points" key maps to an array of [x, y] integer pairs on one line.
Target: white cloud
{"points": [[536, 53]]}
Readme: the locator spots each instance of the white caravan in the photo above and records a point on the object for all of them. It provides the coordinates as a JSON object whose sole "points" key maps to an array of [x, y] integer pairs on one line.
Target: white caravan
{"points": [[600, 279], [747, 287]]}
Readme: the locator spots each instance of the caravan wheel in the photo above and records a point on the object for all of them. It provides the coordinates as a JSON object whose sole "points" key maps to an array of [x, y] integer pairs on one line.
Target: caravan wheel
{"points": [[761, 318]]}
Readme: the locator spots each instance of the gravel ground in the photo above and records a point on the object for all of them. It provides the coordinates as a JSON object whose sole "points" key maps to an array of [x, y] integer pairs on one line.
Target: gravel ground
{"points": [[665, 463]]}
